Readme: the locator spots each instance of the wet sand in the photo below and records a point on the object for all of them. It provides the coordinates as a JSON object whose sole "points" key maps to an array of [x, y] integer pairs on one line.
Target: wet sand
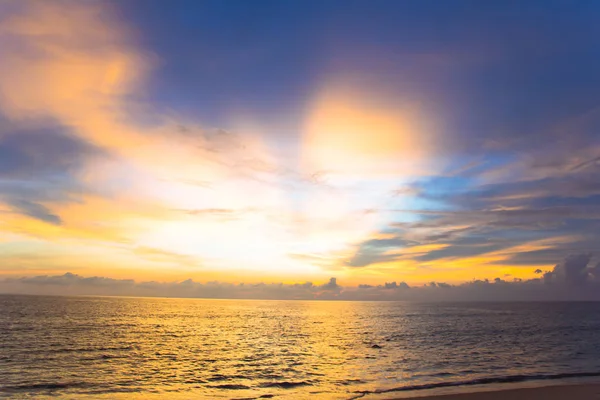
{"points": [[565, 392]]}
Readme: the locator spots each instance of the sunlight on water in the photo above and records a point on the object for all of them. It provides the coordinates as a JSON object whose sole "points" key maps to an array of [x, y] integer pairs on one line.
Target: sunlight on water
{"points": [[282, 349]]}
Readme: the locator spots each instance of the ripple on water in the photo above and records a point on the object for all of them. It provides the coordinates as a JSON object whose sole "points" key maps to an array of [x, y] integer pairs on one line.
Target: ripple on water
{"points": [[290, 349]]}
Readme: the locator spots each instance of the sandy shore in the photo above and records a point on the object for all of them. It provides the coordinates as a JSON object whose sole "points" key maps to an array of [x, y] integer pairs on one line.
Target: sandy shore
{"points": [[565, 392]]}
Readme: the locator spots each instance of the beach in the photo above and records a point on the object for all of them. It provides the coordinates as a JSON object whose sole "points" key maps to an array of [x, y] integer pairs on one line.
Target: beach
{"points": [[562, 392]]}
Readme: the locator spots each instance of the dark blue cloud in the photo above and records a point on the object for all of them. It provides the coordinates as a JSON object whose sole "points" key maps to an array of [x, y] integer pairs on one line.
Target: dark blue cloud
{"points": [[27, 152], [477, 221], [39, 166], [373, 251], [34, 210]]}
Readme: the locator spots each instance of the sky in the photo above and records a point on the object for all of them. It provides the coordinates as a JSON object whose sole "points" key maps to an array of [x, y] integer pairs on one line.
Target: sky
{"points": [[388, 144]]}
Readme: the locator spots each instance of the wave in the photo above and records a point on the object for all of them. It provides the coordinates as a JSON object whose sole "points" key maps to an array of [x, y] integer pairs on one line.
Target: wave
{"points": [[76, 350], [231, 387], [264, 396], [481, 381], [43, 386], [285, 384]]}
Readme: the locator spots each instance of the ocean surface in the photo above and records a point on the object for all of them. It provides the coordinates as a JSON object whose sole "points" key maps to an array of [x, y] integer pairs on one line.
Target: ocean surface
{"points": [[77, 347]]}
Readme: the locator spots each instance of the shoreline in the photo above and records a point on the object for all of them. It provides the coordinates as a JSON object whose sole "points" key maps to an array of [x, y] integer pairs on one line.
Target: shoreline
{"points": [[582, 390]]}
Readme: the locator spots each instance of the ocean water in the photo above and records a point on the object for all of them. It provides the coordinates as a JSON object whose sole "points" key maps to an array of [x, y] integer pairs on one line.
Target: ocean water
{"points": [[77, 347]]}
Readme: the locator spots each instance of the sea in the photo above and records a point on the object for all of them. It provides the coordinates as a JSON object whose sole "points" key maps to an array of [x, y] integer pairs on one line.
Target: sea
{"points": [[117, 347]]}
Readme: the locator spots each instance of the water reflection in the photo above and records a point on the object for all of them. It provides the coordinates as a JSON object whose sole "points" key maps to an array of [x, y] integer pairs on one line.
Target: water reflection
{"points": [[288, 349]]}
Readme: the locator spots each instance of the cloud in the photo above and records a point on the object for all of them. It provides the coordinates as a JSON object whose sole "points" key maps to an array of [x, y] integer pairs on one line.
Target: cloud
{"points": [[374, 251], [35, 210], [81, 147], [573, 270], [498, 290], [74, 279], [48, 148], [65, 70], [39, 168], [70, 283], [572, 279], [71, 62], [86, 154], [166, 256], [503, 205], [471, 219], [223, 214], [331, 285]]}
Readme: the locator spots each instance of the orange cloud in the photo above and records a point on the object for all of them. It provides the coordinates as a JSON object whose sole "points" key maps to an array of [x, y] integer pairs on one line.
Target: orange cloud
{"points": [[71, 62]]}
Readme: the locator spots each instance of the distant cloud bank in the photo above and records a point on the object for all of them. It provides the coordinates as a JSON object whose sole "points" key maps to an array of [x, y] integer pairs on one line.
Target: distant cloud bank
{"points": [[576, 278]]}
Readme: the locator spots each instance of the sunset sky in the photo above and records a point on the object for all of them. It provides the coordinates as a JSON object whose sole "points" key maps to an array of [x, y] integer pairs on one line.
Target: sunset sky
{"points": [[292, 141]]}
